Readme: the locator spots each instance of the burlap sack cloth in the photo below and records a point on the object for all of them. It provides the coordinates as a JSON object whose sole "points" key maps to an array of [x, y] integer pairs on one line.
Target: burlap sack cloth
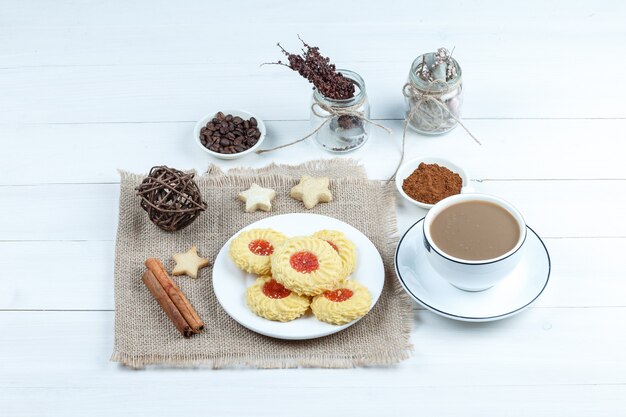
{"points": [[143, 333]]}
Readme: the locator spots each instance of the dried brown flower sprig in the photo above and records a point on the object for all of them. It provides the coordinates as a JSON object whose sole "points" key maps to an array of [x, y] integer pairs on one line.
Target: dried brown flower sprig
{"points": [[319, 71]]}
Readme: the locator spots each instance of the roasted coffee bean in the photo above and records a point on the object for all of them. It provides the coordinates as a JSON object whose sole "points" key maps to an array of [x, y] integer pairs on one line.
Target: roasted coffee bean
{"points": [[229, 134]]}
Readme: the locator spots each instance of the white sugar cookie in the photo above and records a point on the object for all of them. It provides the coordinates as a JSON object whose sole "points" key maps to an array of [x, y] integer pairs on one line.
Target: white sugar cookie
{"points": [[257, 198], [312, 191], [189, 263]]}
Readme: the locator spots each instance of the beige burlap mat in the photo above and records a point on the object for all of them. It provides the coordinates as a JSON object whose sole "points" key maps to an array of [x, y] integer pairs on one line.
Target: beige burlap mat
{"points": [[143, 333]]}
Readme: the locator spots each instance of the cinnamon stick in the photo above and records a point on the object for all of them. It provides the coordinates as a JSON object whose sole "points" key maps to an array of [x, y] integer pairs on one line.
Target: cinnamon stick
{"points": [[166, 303], [176, 295]]}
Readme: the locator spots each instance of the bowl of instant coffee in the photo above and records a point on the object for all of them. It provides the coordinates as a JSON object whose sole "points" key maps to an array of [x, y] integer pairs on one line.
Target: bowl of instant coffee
{"points": [[229, 134], [426, 180]]}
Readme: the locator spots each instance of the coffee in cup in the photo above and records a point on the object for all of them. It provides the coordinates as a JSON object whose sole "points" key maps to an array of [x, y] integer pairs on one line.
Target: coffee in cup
{"points": [[474, 240]]}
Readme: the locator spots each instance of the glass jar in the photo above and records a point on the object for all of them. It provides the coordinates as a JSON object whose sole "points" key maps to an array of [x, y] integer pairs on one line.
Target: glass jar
{"points": [[340, 124], [432, 107]]}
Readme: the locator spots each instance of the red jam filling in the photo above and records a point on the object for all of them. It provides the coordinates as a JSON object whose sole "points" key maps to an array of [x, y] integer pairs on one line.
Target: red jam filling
{"points": [[333, 245], [342, 294], [304, 262], [261, 247], [273, 289]]}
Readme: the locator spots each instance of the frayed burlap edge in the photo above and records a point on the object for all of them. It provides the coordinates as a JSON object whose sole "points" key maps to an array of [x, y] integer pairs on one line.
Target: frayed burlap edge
{"points": [[336, 167], [243, 176]]}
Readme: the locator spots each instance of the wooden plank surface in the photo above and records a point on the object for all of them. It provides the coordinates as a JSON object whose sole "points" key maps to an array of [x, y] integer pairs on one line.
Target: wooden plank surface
{"points": [[472, 401], [170, 63], [539, 347], [78, 275], [89, 211], [87, 88], [512, 149]]}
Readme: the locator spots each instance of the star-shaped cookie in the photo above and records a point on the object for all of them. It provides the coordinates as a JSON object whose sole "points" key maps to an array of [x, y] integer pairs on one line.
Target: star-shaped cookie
{"points": [[257, 198], [189, 263], [311, 191]]}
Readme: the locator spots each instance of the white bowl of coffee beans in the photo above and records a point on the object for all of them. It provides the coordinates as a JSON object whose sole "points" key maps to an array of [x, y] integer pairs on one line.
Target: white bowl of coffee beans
{"points": [[229, 134]]}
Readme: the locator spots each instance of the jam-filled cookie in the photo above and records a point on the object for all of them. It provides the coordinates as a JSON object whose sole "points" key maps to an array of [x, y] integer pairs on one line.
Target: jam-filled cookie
{"points": [[251, 250], [348, 301], [307, 265], [342, 245], [271, 300]]}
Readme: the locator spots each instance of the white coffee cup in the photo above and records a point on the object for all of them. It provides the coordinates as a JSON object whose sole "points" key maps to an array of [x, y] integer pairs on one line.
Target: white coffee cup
{"points": [[472, 275]]}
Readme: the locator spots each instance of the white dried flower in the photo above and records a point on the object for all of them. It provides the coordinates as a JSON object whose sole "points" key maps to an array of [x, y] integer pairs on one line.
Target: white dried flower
{"points": [[451, 71], [442, 56]]}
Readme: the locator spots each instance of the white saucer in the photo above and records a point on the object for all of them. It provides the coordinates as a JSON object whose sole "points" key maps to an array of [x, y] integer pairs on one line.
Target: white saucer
{"points": [[507, 298]]}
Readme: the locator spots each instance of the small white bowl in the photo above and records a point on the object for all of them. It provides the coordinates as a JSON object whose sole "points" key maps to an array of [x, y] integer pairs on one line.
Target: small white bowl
{"points": [[241, 113], [408, 167]]}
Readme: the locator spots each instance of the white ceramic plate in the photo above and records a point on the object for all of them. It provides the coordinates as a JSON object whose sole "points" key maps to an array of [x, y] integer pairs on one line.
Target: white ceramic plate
{"points": [[230, 283], [505, 299]]}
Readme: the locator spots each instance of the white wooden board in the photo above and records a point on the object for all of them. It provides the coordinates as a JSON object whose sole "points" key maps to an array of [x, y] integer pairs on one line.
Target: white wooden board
{"points": [[87, 88]]}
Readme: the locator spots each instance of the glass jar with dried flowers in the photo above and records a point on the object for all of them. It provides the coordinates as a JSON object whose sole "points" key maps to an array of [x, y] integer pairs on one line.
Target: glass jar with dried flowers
{"points": [[340, 110], [341, 123], [434, 93]]}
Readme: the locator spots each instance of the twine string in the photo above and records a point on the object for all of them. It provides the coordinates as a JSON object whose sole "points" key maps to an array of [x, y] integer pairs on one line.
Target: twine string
{"points": [[419, 100], [330, 113]]}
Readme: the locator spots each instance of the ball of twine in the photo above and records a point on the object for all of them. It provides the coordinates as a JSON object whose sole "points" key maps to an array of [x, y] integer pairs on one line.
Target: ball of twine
{"points": [[171, 198]]}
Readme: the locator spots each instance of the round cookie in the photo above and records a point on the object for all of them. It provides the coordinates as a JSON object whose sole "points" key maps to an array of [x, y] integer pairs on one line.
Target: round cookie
{"points": [[349, 301], [271, 300], [344, 247], [307, 265], [251, 249]]}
